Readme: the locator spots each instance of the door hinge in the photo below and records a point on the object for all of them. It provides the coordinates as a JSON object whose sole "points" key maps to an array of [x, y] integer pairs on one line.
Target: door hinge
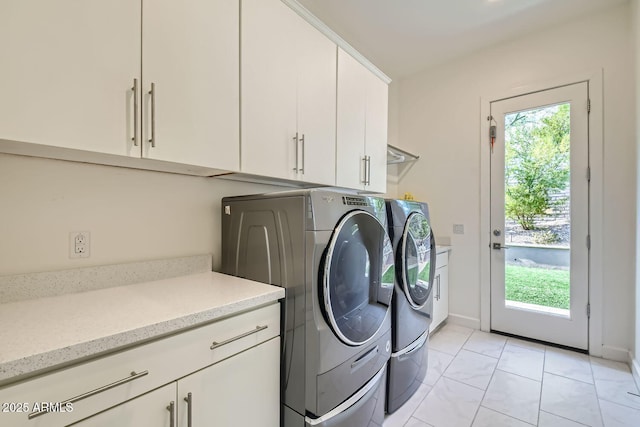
{"points": [[589, 241], [588, 310], [588, 173], [588, 105]]}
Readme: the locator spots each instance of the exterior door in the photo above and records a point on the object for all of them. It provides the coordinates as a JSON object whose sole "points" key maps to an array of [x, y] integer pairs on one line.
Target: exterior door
{"points": [[539, 215], [358, 278]]}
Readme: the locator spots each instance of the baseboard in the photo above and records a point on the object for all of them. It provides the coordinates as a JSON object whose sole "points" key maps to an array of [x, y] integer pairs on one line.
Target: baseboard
{"points": [[635, 369], [468, 322], [615, 353]]}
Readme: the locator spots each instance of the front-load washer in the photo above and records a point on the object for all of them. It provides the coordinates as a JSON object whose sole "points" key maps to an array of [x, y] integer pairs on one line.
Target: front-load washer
{"points": [[331, 253], [412, 304]]}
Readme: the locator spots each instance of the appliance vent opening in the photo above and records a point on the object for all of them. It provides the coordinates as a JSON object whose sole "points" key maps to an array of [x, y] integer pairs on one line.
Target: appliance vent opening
{"points": [[355, 201]]}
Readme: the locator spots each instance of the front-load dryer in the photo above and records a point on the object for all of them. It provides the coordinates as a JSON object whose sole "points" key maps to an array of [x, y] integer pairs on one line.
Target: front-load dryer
{"points": [[412, 304], [331, 253]]}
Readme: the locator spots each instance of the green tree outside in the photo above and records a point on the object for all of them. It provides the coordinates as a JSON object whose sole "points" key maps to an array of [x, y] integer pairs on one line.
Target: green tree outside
{"points": [[536, 161]]}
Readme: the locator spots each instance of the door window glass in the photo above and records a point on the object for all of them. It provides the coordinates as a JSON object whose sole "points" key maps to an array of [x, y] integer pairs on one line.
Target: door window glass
{"points": [[417, 259]]}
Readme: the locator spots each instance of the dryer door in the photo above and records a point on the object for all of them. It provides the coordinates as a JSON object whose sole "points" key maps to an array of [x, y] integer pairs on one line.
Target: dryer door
{"points": [[358, 278], [418, 260]]}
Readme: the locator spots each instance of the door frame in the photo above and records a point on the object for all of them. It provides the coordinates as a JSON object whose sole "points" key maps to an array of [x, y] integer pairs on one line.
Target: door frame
{"points": [[596, 198]]}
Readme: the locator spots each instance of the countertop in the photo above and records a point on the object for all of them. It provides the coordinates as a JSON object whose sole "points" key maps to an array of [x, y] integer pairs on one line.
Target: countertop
{"points": [[442, 248], [44, 333]]}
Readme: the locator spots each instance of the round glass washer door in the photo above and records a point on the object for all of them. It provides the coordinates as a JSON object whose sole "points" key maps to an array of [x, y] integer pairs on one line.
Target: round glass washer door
{"points": [[417, 260], [358, 278]]}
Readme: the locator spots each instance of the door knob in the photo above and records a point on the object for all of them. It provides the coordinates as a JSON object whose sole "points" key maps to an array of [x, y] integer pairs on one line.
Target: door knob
{"points": [[498, 246]]}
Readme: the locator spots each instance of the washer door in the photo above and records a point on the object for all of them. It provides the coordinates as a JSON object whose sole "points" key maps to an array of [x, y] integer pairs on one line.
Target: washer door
{"points": [[358, 278], [418, 260]]}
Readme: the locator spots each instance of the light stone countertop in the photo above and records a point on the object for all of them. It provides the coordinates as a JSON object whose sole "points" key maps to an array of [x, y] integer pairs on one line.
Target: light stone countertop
{"points": [[41, 334], [442, 248]]}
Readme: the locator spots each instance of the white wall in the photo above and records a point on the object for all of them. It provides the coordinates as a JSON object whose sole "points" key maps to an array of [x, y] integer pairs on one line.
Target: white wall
{"points": [[440, 120], [636, 31], [132, 215]]}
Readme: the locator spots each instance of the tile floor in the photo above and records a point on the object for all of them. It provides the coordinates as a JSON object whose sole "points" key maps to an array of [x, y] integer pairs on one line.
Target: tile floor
{"points": [[486, 380]]}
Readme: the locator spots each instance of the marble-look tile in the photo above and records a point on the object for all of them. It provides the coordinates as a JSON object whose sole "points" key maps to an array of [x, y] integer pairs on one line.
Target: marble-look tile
{"points": [[618, 415], [450, 338], [568, 364], [614, 381], [436, 365], [572, 399], [513, 395], [488, 418], [522, 361], [472, 369], [400, 416], [414, 422], [450, 404], [549, 420], [526, 344], [485, 343]]}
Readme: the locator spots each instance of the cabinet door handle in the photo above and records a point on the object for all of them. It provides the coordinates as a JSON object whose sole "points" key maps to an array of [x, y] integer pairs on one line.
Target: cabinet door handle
{"points": [[172, 413], [368, 170], [302, 142], [215, 344], [133, 376], [295, 141], [189, 400], [135, 112], [438, 287], [364, 181], [152, 92]]}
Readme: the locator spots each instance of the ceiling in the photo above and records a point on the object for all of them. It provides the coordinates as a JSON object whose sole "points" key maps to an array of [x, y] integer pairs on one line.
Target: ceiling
{"points": [[403, 37]]}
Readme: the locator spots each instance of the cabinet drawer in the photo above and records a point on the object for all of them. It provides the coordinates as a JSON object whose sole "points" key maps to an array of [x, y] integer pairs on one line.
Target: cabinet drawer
{"points": [[110, 380], [442, 259]]}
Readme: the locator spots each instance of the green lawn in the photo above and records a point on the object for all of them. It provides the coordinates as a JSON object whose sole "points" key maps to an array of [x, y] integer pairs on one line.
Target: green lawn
{"points": [[540, 286]]}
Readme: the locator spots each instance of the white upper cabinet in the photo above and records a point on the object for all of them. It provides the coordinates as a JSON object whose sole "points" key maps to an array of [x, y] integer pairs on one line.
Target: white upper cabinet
{"points": [[361, 127], [288, 95], [67, 72], [190, 53], [72, 78]]}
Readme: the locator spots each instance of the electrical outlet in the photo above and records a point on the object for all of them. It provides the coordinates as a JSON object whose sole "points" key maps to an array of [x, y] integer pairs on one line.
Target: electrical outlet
{"points": [[458, 228], [79, 244]]}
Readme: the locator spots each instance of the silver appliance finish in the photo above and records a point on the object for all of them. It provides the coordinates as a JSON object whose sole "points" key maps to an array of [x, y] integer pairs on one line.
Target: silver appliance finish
{"points": [[412, 305], [333, 357]]}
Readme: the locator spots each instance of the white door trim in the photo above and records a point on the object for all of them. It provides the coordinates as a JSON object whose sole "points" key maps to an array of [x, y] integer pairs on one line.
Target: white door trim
{"points": [[596, 200]]}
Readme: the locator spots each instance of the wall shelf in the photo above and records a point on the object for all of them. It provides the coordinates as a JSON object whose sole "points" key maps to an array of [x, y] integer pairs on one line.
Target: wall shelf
{"points": [[399, 162]]}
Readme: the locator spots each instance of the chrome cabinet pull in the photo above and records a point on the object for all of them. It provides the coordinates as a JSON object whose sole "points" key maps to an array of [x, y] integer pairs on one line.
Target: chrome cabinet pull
{"points": [[172, 413], [295, 141], [302, 142], [135, 112], [438, 287], [189, 401], [152, 92], [216, 344], [368, 170], [133, 376], [364, 181]]}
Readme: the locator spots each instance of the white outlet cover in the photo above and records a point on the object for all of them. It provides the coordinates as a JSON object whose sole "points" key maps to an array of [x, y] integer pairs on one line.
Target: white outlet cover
{"points": [[458, 228], [79, 244]]}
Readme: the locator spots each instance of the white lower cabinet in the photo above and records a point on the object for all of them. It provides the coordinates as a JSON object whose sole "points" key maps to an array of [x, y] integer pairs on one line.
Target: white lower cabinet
{"points": [[240, 391], [148, 410], [231, 367], [441, 291]]}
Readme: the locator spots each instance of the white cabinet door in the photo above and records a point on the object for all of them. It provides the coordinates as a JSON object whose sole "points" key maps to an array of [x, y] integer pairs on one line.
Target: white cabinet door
{"points": [[268, 89], [148, 410], [67, 72], [352, 89], [376, 133], [190, 52], [243, 390], [288, 93], [441, 291], [361, 127], [316, 58]]}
